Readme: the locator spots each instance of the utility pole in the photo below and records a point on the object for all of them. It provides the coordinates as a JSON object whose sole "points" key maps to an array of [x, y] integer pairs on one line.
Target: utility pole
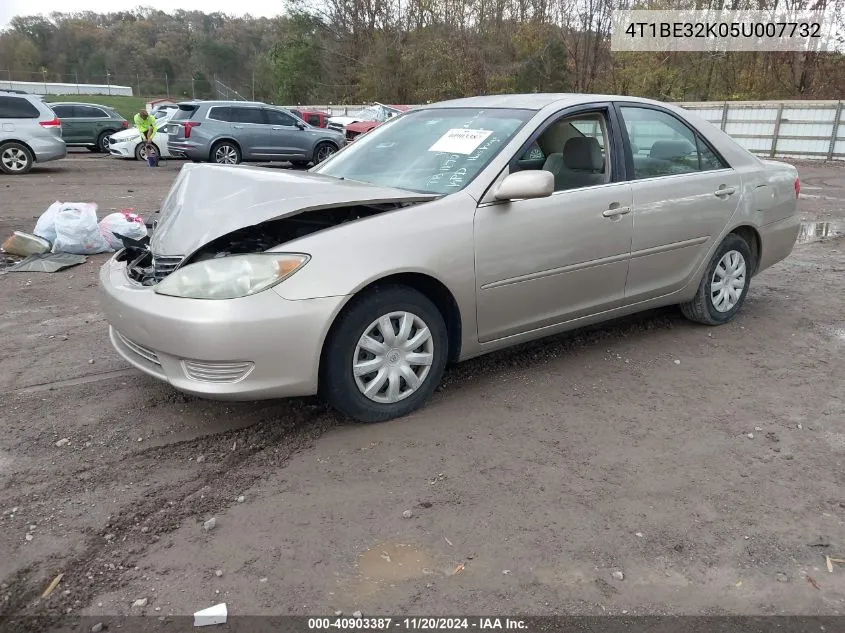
{"points": [[193, 90], [166, 85], [253, 85], [108, 81], [76, 76], [138, 81]]}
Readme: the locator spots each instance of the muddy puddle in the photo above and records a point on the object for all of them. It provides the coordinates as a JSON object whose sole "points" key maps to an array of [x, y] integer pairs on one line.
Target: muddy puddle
{"points": [[815, 231]]}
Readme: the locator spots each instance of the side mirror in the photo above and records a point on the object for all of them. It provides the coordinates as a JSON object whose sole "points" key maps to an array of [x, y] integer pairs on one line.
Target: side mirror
{"points": [[524, 185], [300, 125]]}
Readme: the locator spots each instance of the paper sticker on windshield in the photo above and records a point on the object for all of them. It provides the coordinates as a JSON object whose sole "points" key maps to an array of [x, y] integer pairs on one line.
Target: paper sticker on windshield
{"points": [[460, 141]]}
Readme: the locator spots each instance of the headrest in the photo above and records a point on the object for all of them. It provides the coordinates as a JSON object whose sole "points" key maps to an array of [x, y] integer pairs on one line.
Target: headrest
{"points": [[668, 150], [583, 152]]}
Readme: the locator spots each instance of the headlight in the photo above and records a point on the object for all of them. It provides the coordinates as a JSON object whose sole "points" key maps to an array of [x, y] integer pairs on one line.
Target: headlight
{"points": [[231, 277]]}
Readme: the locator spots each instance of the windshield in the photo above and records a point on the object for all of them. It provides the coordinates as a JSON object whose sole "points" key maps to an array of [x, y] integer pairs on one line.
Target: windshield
{"points": [[368, 114], [432, 151]]}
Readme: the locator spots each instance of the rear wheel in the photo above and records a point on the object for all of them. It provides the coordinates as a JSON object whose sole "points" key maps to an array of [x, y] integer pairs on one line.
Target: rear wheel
{"points": [[323, 151], [103, 141], [226, 153], [385, 355], [724, 285], [15, 158]]}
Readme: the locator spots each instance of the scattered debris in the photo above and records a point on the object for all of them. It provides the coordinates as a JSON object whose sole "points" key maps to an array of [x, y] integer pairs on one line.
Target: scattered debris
{"points": [[800, 426], [263, 579], [91, 361], [506, 572], [781, 577], [47, 263], [758, 428], [218, 573], [97, 627], [750, 436], [458, 569], [338, 612], [448, 542], [29, 536], [63, 442], [738, 583], [241, 499], [109, 536], [677, 362], [638, 534], [200, 459], [210, 524], [53, 584], [840, 561], [25, 244], [813, 582], [820, 542], [618, 575], [829, 564], [356, 614], [212, 615], [145, 529], [407, 514], [425, 504], [140, 602]]}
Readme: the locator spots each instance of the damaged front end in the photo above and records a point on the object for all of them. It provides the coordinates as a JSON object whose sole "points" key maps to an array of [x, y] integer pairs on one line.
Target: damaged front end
{"points": [[148, 269]]}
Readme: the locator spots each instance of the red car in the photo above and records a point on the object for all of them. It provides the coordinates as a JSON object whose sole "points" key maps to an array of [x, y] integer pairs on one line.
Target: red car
{"points": [[365, 120], [313, 117]]}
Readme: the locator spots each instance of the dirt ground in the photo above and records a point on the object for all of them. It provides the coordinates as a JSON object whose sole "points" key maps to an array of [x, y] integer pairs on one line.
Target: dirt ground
{"points": [[705, 464]]}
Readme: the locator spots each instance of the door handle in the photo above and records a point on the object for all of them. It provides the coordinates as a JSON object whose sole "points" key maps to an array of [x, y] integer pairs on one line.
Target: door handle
{"points": [[238, 127], [725, 191], [615, 212], [277, 128]]}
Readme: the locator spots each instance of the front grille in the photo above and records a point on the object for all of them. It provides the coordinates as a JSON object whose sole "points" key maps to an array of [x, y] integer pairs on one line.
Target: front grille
{"points": [[336, 126], [204, 371], [163, 266], [147, 354]]}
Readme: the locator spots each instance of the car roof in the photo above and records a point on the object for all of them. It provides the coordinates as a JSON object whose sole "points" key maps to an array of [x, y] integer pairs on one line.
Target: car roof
{"points": [[211, 102], [531, 101]]}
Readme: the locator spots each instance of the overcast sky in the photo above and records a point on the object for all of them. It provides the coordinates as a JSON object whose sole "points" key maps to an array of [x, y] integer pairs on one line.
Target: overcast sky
{"points": [[11, 8]]}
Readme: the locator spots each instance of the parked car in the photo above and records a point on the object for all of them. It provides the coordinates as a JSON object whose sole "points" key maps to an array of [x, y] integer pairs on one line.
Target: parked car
{"points": [[231, 132], [29, 133], [128, 143], [314, 118], [88, 124], [454, 230], [378, 113]]}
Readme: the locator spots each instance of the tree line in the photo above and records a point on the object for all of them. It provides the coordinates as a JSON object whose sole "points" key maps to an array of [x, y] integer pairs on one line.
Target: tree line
{"points": [[402, 51]]}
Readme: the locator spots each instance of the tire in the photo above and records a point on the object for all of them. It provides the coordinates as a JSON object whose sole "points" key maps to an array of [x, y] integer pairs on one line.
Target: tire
{"points": [[92, 148], [103, 142], [323, 151], [345, 392], [731, 263], [140, 154], [15, 158], [300, 164], [225, 153]]}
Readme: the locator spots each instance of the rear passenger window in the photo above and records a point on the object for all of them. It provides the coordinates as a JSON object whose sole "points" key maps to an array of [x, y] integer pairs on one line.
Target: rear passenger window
{"points": [[246, 115], [665, 146], [218, 114], [89, 112], [17, 108], [63, 111], [274, 117]]}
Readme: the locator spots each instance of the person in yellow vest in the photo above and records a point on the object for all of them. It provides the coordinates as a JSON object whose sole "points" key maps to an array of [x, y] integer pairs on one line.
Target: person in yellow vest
{"points": [[146, 125]]}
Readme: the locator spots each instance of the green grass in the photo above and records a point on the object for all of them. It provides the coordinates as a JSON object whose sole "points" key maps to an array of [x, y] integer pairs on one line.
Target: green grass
{"points": [[127, 107]]}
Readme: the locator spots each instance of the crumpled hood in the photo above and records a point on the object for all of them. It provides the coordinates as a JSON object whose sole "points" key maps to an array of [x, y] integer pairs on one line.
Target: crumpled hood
{"points": [[342, 120], [208, 201]]}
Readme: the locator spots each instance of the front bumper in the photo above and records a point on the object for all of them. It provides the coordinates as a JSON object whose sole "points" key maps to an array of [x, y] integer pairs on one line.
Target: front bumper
{"points": [[253, 348], [123, 149]]}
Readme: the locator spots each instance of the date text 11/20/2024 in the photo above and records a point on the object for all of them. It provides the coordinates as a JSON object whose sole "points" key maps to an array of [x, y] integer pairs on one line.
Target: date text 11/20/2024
{"points": [[417, 623]]}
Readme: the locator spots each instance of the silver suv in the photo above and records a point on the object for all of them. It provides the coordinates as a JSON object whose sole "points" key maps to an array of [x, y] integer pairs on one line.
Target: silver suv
{"points": [[29, 133], [230, 132]]}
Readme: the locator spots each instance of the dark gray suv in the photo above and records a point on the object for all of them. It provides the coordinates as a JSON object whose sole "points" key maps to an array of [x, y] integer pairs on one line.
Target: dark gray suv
{"points": [[231, 132]]}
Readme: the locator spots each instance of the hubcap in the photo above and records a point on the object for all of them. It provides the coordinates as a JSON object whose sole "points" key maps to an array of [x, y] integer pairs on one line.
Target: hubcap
{"points": [[104, 143], [393, 357], [324, 152], [14, 159], [226, 154], [728, 281]]}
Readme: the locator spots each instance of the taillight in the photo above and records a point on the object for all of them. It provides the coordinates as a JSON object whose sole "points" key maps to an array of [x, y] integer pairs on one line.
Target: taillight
{"points": [[54, 122], [797, 187], [124, 125], [189, 125]]}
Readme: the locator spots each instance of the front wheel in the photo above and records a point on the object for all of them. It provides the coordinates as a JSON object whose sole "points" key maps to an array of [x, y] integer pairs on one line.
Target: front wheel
{"points": [[141, 151], [323, 151], [226, 153], [15, 158], [103, 141], [725, 284], [385, 355]]}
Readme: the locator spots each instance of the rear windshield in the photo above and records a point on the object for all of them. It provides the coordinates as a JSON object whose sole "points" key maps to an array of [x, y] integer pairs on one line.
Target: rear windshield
{"points": [[17, 108], [185, 112]]}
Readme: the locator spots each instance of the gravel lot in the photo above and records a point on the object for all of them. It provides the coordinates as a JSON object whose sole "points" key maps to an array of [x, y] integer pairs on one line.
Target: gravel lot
{"points": [[714, 484]]}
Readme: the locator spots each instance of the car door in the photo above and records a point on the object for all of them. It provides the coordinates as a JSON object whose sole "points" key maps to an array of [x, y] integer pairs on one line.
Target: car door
{"points": [[89, 122], [546, 261], [67, 115], [684, 194], [249, 130], [284, 138]]}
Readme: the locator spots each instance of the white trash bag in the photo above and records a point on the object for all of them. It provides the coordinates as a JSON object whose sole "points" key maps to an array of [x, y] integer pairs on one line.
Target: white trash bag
{"points": [[46, 225], [77, 230], [123, 223]]}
